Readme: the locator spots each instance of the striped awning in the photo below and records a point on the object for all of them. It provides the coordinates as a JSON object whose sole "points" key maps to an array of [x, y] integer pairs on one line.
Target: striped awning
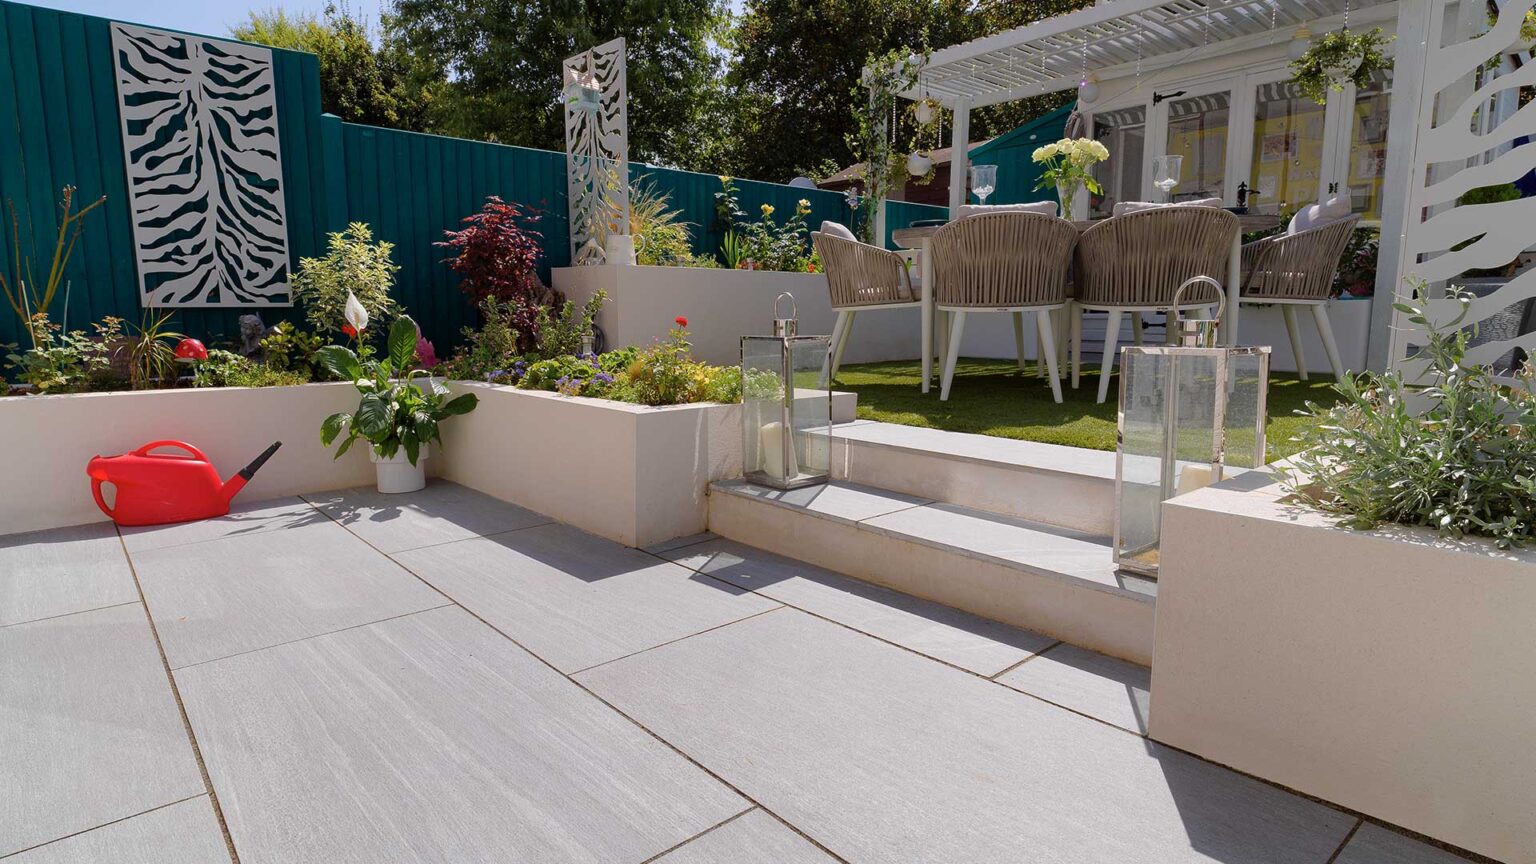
{"points": [[1053, 54]]}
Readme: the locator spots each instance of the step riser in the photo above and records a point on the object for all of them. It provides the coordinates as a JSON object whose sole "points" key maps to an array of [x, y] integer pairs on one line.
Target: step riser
{"points": [[1069, 500], [1102, 621]]}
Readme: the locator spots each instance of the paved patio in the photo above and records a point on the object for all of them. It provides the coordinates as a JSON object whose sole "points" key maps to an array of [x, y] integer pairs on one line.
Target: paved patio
{"points": [[445, 677]]}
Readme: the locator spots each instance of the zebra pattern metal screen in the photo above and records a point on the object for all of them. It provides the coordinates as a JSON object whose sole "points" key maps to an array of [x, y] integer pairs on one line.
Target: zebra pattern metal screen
{"points": [[596, 149], [200, 141], [1460, 126]]}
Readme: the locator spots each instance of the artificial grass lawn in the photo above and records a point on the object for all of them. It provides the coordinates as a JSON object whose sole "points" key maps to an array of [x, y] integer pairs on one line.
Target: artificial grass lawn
{"points": [[992, 397]]}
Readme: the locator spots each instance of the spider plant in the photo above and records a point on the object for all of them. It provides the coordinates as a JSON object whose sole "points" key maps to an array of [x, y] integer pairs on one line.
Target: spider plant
{"points": [[152, 352]]}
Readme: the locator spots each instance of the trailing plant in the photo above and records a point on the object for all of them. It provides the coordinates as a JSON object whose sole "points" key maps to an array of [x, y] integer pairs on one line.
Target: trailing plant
{"points": [[353, 264], [152, 352], [393, 413], [61, 362], [1466, 465], [1326, 65], [21, 287], [873, 139], [286, 348], [561, 332], [497, 254]]}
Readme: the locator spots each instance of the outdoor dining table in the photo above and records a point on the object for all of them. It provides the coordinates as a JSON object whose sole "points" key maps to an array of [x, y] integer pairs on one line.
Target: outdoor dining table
{"points": [[918, 239]]}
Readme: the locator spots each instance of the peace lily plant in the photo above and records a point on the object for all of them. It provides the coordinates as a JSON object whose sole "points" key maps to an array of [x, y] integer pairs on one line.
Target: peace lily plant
{"points": [[397, 416], [1068, 166]]}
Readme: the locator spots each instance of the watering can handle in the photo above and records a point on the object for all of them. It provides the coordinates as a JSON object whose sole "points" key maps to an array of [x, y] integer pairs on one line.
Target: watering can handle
{"points": [[144, 451], [96, 493]]}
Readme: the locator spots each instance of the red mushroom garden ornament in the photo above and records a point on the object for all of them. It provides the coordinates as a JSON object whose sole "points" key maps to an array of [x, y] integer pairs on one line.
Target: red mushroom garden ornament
{"points": [[190, 350]]}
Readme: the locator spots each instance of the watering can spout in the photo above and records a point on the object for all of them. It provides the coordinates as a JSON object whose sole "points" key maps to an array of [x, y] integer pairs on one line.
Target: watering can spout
{"points": [[233, 485]]}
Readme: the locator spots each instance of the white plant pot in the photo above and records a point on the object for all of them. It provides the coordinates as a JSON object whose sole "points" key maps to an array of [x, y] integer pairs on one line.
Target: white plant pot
{"points": [[397, 474], [1343, 71], [918, 164]]}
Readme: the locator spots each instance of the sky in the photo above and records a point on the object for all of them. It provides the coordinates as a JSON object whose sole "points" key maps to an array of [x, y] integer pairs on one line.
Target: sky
{"points": [[209, 17]]}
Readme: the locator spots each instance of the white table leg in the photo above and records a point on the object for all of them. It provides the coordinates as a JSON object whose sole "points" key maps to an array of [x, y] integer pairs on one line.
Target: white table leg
{"points": [[1234, 276], [925, 274]]}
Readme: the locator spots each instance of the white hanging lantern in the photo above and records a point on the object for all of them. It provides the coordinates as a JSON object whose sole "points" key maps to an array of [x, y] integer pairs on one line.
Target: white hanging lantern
{"points": [[924, 112], [1088, 90], [1301, 40]]}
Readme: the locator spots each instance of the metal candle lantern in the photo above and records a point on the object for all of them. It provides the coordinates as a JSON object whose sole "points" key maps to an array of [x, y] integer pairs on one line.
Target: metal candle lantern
{"points": [[785, 430], [1187, 411]]}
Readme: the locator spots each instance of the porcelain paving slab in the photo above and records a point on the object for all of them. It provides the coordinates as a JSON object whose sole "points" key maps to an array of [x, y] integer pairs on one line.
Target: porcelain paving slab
{"points": [[840, 502], [89, 730], [752, 838], [883, 756], [575, 599], [431, 738], [678, 542], [183, 833], [1088, 682], [441, 513], [983, 448], [1044, 549], [238, 594], [959, 638], [1373, 844], [62, 570], [243, 519]]}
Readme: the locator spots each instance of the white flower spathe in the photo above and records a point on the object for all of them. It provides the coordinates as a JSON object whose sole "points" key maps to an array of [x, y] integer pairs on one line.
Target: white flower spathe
{"points": [[355, 314]]}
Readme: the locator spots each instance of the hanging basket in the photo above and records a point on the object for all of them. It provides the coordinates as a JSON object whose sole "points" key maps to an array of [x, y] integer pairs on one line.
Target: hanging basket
{"points": [[1337, 59], [919, 164]]}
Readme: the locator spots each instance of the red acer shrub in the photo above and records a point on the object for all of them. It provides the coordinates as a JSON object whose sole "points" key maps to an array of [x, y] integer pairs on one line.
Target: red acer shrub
{"points": [[497, 256]]}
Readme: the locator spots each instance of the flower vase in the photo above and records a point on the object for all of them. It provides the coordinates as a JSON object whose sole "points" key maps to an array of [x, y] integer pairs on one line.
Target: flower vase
{"points": [[1066, 193]]}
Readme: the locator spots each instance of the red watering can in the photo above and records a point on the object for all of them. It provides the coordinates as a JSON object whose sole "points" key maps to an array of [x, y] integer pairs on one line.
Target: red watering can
{"points": [[157, 488]]}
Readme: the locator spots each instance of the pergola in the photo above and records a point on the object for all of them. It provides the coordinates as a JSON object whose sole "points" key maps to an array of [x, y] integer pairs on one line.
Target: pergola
{"points": [[1434, 151]]}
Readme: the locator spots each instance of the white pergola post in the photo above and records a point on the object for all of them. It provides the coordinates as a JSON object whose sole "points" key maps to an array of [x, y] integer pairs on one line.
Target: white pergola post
{"points": [[959, 158]]}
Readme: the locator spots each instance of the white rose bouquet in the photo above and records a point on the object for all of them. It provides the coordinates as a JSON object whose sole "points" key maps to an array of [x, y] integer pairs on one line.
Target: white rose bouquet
{"points": [[1068, 165]]}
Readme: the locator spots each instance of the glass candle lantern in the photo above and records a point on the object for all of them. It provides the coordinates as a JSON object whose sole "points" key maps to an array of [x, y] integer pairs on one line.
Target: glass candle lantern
{"points": [[1188, 412], [786, 415]]}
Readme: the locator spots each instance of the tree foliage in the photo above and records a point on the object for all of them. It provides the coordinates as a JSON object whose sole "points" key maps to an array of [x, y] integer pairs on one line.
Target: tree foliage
{"points": [[502, 61], [358, 82]]}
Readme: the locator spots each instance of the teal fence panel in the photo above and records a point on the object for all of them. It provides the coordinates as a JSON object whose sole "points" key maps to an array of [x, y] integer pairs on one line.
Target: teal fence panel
{"points": [[59, 126], [411, 188], [1012, 152], [900, 214]]}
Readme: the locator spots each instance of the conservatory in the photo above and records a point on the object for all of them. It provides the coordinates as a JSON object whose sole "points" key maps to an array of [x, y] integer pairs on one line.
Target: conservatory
{"points": [[1212, 82]]}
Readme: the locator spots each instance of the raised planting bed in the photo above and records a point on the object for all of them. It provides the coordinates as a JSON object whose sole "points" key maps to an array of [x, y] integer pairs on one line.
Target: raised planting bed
{"points": [[49, 439], [632, 473], [1387, 670]]}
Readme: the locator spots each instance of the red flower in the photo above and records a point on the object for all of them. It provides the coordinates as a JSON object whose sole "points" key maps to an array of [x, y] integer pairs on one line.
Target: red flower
{"points": [[349, 330], [681, 321]]}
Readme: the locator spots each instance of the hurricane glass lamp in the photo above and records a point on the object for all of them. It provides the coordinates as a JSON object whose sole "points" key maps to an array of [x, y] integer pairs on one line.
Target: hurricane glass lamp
{"points": [[1191, 413], [786, 414]]}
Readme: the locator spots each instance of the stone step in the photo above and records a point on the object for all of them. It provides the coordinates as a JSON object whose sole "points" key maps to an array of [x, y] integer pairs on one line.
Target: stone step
{"points": [[1066, 486], [1054, 580]]}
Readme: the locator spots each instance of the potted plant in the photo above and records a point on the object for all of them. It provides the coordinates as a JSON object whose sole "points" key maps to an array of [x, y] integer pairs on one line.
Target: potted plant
{"points": [[398, 417], [1068, 165], [1338, 58]]}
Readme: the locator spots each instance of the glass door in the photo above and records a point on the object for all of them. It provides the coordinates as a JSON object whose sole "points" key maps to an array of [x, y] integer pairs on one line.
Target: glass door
{"points": [[1197, 127], [1124, 133], [1289, 149]]}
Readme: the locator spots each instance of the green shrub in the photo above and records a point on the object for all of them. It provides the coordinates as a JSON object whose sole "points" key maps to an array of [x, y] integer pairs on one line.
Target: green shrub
{"points": [[353, 262], [560, 332], [491, 351], [70, 362], [287, 348], [1466, 465], [228, 369]]}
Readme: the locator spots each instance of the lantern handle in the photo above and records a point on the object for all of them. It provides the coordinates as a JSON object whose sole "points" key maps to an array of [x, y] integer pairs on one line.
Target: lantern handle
{"points": [[793, 311], [1221, 297]]}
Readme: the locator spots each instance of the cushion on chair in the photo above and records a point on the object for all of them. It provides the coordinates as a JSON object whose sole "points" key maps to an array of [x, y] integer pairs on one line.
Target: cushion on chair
{"points": [[1317, 215], [837, 229], [1044, 208], [1125, 207]]}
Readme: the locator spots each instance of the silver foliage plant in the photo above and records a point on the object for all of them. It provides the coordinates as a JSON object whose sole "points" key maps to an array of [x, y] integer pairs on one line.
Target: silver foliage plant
{"points": [[1465, 465]]}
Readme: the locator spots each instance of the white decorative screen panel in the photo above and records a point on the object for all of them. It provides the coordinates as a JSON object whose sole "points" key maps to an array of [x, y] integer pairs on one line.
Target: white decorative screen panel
{"points": [[200, 141], [596, 149], [1461, 123]]}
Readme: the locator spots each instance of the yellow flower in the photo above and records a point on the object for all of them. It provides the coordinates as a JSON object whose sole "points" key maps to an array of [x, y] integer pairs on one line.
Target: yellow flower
{"points": [[724, 178], [767, 210], [803, 206]]}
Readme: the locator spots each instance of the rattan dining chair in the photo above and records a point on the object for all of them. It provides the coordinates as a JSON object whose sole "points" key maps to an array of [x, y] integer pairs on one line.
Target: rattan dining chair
{"points": [[1135, 262], [860, 278], [1002, 262], [1291, 270]]}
